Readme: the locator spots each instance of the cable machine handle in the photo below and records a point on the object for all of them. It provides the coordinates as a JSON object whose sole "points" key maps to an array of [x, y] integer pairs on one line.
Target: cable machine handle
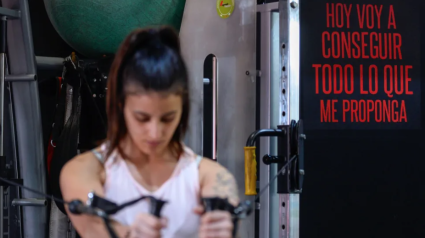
{"points": [[214, 108]]}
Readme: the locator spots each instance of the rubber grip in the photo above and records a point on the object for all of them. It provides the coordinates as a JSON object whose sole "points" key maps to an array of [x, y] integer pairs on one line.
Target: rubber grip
{"points": [[250, 171]]}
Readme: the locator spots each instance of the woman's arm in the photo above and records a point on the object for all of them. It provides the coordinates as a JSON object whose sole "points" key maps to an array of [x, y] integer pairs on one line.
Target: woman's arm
{"points": [[217, 181], [79, 177]]}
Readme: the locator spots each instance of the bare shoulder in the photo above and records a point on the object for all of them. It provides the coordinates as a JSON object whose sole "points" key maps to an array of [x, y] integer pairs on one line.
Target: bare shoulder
{"points": [[217, 181], [208, 164], [82, 162], [82, 166]]}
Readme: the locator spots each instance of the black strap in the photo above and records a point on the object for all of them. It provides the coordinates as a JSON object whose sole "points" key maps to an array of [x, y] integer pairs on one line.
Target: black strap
{"points": [[72, 76], [65, 134], [235, 227]]}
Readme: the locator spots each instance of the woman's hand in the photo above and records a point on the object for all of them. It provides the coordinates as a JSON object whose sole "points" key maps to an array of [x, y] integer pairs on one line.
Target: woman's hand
{"points": [[147, 226], [215, 224]]}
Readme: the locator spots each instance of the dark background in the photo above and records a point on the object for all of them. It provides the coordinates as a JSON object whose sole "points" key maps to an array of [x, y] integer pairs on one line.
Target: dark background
{"points": [[47, 41], [358, 183]]}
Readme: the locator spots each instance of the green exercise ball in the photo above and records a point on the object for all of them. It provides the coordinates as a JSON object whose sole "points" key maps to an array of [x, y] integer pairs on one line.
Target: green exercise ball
{"points": [[95, 28]]}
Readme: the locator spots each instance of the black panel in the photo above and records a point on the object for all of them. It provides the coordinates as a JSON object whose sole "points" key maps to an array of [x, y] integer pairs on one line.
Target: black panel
{"points": [[362, 93], [362, 183]]}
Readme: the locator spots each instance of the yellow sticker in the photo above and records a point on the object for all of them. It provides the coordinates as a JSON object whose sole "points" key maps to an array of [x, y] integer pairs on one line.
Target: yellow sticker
{"points": [[225, 8]]}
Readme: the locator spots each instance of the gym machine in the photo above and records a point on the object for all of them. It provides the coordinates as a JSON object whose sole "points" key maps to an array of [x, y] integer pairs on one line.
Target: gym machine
{"points": [[23, 213], [230, 46], [279, 110], [21, 136], [230, 98]]}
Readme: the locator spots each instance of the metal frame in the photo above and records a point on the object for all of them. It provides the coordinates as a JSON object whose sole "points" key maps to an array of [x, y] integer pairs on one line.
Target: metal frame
{"points": [[21, 62], [49, 63], [10, 13], [283, 93], [2, 96], [15, 78], [289, 107], [2, 105], [265, 209]]}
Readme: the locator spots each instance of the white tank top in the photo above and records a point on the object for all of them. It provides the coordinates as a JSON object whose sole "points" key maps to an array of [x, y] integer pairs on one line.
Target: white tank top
{"points": [[181, 191]]}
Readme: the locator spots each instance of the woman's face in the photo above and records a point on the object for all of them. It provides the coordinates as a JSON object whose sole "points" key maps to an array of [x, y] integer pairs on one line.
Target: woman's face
{"points": [[152, 119]]}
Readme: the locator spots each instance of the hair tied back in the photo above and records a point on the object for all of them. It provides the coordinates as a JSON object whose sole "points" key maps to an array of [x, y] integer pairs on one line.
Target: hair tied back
{"points": [[170, 38]]}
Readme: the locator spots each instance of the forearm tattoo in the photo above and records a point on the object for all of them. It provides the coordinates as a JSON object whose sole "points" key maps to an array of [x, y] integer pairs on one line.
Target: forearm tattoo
{"points": [[225, 186]]}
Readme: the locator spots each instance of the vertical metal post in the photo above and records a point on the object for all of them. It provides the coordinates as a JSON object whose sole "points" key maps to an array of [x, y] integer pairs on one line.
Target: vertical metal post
{"points": [[275, 72], [289, 107], [1, 211], [264, 218], [26, 104], [266, 97], [2, 79], [2, 96], [214, 101]]}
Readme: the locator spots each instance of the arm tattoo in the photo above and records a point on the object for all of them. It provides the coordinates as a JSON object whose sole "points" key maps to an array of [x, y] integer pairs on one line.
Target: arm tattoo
{"points": [[225, 186]]}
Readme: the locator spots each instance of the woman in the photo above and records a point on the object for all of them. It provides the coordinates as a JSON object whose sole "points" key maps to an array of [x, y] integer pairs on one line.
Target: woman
{"points": [[148, 110]]}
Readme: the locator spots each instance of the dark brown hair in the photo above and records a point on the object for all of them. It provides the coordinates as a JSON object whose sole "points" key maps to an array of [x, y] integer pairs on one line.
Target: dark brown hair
{"points": [[148, 59]]}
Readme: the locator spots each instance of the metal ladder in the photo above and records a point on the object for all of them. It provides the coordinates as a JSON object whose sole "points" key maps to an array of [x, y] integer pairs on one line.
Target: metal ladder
{"points": [[23, 159]]}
